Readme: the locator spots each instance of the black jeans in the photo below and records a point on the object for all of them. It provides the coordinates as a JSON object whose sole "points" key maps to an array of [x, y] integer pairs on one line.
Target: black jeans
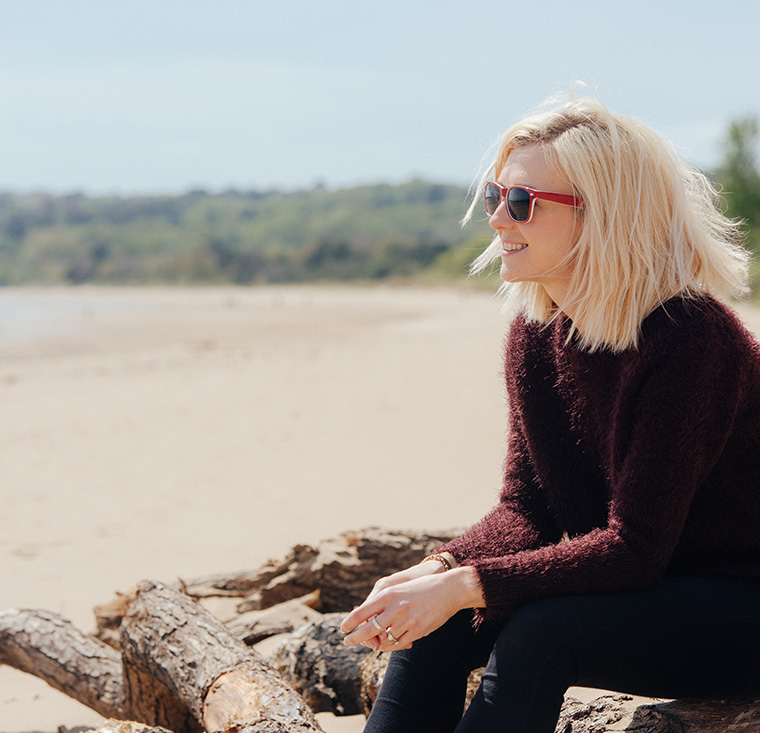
{"points": [[683, 638]]}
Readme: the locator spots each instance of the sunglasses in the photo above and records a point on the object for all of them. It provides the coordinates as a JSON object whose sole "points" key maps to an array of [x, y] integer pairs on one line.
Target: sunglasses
{"points": [[520, 200]]}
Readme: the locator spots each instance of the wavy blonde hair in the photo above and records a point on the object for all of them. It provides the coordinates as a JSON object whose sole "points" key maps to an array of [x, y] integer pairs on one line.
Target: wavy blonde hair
{"points": [[650, 228]]}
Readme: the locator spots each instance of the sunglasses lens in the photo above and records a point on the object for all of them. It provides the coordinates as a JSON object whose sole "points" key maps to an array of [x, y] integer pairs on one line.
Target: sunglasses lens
{"points": [[518, 203], [492, 196]]}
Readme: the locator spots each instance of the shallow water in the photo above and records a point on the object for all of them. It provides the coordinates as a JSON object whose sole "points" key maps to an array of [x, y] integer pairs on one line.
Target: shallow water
{"points": [[29, 314]]}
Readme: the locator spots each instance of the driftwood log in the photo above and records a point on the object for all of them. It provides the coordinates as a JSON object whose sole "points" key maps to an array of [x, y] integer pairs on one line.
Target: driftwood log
{"points": [[160, 658], [343, 569], [123, 726], [175, 652], [334, 576], [617, 713], [315, 662], [45, 644], [181, 668], [180, 657]]}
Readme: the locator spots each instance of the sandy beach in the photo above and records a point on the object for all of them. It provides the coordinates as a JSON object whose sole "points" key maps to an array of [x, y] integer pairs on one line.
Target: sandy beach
{"points": [[159, 433], [164, 433]]}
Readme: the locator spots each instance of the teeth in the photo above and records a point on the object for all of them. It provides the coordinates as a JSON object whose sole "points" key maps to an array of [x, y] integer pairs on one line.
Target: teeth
{"points": [[509, 247]]}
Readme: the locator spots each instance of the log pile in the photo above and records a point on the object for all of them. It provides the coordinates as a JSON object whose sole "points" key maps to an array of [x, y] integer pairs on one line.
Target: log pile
{"points": [[189, 657]]}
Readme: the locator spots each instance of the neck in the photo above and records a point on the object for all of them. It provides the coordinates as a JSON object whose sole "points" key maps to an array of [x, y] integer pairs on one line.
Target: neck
{"points": [[559, 296]]}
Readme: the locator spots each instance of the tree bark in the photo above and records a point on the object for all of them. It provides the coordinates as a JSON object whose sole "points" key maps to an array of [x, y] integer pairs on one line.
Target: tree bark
{"points": [[342, 568], [120, 726], [691, 715], [48, 646], [173, 650], [316, 663]]}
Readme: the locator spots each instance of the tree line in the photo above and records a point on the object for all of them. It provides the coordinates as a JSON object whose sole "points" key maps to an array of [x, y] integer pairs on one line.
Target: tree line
{"points": [[739, 182], [245, 237], [367, 232]]}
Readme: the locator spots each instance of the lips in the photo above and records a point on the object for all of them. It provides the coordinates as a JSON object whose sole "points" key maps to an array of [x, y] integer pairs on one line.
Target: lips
{"points": [[512, 246]]}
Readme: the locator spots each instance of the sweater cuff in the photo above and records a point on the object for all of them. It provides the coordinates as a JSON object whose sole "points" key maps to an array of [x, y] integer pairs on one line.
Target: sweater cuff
{"points": [[498, 605]]}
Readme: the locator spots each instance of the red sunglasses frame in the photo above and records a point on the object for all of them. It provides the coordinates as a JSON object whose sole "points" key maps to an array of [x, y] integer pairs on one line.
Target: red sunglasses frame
{"points": [[560, 198]]}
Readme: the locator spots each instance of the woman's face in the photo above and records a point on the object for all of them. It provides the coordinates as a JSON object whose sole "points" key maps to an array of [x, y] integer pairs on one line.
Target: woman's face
{"points": [[533, 251]]}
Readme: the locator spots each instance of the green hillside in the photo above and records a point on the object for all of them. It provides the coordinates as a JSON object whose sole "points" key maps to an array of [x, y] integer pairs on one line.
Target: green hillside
{"points": [[365, 232]]}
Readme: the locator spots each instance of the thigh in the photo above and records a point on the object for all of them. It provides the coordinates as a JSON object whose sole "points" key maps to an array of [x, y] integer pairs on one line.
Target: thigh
{"points": [[424, 687], [684, 637]]}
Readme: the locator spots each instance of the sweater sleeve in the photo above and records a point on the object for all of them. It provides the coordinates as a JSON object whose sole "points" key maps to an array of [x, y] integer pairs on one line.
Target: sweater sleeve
{"points": [[681, 422]]}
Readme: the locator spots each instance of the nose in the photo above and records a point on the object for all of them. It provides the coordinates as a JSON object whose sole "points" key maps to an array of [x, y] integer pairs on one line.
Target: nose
{"points": [[500, 219]]}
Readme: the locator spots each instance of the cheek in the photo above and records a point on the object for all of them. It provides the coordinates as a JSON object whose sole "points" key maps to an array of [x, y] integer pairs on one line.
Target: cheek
{"points": [[558, 248], [568, 234], [577, 229]]}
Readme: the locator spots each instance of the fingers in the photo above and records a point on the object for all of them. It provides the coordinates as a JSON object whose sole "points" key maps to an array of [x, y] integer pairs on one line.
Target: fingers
{"points": [[362, 614], [374, 604], [359, 616], [391, 638], [391, 641], [394, 601], [364, 632], [372, 633]]}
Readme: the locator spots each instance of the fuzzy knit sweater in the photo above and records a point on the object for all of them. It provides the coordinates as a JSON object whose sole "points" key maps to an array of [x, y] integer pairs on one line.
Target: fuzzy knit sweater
{"points": [[624, 468]]}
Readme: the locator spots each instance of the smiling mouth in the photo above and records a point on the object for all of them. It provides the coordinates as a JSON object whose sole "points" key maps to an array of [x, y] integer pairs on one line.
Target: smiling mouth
{"points": [[512, 247]]}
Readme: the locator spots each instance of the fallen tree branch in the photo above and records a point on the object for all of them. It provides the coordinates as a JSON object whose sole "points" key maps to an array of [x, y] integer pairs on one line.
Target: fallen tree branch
{"points": [[342, 568], [169, 639], [48, 646]]}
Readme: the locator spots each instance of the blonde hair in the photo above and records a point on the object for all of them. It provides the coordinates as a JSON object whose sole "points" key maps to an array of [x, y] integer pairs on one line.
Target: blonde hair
{"points": [[651, 228]]}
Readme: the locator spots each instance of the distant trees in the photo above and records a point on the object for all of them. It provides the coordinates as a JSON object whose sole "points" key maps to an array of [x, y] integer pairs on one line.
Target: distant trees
{"points": [[739, 177], [367, 232]]}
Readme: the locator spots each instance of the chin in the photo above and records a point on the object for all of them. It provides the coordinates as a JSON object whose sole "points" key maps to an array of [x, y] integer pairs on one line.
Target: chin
{"points": [[508, 277]]}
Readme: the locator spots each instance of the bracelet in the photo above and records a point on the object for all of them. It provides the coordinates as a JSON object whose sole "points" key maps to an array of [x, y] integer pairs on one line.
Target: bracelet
{"points": [[439, 558]]}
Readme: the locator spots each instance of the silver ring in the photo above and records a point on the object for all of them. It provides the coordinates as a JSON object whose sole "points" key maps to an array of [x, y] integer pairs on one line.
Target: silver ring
{"points": [[391, 637], [376, 624]]}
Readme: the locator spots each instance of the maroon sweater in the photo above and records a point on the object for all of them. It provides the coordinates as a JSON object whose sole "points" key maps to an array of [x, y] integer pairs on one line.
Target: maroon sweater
{"points": [[625, 468]]}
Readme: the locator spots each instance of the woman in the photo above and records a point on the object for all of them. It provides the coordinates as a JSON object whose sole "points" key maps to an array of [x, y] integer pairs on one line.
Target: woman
{"points": [[624, 552]]}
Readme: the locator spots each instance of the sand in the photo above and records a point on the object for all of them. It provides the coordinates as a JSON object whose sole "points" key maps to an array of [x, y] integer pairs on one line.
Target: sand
{"points": [[158, 433], [164, 433]]}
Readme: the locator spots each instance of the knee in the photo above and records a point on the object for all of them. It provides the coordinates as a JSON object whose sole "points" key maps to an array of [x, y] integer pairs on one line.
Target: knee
{"points": [[536, 624], [443, 644], [539, 634]]}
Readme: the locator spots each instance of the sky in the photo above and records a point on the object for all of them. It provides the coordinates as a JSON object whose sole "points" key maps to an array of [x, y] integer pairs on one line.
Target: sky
{"points": [[162, 96]]}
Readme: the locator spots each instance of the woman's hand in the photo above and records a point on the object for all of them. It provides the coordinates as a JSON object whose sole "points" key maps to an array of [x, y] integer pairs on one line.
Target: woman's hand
{"points": [[411, 604]]}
